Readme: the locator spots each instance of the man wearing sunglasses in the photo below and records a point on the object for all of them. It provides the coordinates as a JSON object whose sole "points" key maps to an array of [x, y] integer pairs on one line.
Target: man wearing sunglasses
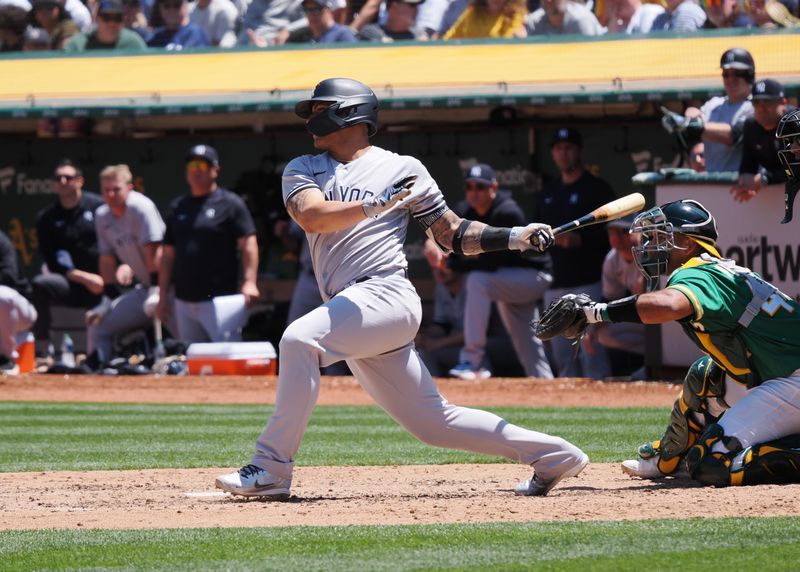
{"points": [[68, 246], [208, 231], [515, 283], [109, 33]]}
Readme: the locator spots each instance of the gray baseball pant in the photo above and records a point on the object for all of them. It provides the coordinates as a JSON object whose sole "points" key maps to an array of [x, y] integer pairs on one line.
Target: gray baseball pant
{"points": [[372, 325], [16, 315]]}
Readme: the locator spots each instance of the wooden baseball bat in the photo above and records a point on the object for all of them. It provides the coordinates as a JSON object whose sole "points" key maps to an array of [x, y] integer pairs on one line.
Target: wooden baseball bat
{"points": [[610, 211]]}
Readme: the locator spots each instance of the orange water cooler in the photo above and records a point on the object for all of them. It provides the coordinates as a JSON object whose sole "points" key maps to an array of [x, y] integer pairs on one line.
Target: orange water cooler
{"points": [[232, 358], [27, 354]]}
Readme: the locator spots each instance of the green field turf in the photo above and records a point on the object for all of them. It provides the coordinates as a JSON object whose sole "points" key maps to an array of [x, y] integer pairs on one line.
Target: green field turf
{"points": [[742, 544], [70, 436]]}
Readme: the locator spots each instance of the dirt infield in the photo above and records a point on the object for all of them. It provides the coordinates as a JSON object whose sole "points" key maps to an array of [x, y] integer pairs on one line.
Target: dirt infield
{"points": [[356, 495]]}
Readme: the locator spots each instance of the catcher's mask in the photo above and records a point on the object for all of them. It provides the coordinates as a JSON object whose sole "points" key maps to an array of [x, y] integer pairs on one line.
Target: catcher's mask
{"points": [[351, 101], [788, 133], [658, 227]]}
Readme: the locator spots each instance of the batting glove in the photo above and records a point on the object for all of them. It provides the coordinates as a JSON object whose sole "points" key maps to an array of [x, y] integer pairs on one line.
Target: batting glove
{"points": [[96, 314], [534, 236], [374, 206], [151, 302]]}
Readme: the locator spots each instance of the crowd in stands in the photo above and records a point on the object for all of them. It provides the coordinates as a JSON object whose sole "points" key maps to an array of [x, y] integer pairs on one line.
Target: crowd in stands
{"points": [[75, 25]]}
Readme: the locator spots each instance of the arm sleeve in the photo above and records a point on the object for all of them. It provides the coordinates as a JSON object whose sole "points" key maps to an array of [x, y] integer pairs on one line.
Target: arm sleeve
{"points": [[243, 220], [152, 225], [749, 162], [705, 293], [8, 262], [46, 247], [297, 177], [426, 203]]}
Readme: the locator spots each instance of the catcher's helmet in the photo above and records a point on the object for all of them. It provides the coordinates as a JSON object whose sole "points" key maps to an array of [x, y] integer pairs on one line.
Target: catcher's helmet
{"points": [[352, 103], [658, 226], [739, 59], [788, 134]]}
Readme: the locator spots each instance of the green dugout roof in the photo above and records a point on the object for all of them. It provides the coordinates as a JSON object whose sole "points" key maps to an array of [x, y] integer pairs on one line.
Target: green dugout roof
{"points": [[537, 71]]}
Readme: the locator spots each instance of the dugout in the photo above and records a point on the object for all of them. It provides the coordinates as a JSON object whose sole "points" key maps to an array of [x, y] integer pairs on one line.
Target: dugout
{"points": [[448, 103]]}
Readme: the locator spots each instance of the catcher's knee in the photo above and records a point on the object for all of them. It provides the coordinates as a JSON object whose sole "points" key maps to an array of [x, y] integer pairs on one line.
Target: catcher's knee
{"points": [[705, 380], [710, 460], [773, 462]]}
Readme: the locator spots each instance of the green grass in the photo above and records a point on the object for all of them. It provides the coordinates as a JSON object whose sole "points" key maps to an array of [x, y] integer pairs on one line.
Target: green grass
{"points": [[69, 436], [763, 544]]}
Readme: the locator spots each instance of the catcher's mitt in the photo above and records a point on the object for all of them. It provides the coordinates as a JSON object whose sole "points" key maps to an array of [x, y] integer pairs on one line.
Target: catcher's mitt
{"points": [[563, 317]]}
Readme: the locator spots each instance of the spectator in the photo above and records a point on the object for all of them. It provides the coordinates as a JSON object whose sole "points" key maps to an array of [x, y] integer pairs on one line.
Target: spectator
{"points": [[770, 14], [429, 18], [760, 165], [207, 231], [620, 278], [513, 282], [129, 231], [177, 32], [13, 21], [632, 16], [50, 16], [681, 16], [324, 29], [490, 19], [17, 315], [578, 255], [563, 17], [133, 18], [218, 18], [401, 17], [68, 247], [726, 14], [696, 160], [110, 33], [36, 40], [722, 118], [271, 22]]}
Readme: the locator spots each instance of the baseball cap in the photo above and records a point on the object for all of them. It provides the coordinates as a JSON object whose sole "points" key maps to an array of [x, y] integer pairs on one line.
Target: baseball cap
{"points": [[110, 7], [482, 173], [330, 4], [624, 222], [767, 89], [567, 134], [203, 152]]}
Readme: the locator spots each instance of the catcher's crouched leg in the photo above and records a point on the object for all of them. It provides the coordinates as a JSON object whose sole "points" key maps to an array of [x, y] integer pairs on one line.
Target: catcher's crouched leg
{"points": [[773, 462], [704, 381]]}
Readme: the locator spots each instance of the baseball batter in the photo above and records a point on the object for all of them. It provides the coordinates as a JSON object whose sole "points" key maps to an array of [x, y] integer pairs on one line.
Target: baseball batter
{"points": [[737, 420], [354, 202]]}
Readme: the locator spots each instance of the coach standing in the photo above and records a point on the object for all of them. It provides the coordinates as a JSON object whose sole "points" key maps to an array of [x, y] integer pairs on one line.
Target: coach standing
{"points": [[205, 228]]}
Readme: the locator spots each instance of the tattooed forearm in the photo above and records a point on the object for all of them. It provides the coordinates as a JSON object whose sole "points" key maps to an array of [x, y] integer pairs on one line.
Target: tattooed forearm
{"points": [[455, 234]]}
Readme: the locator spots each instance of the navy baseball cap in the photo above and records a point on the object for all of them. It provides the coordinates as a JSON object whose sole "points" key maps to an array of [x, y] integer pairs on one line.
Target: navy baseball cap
{"points": [[203, 152], [110, 7], [768, 89], [482, 173], [567, 134]]}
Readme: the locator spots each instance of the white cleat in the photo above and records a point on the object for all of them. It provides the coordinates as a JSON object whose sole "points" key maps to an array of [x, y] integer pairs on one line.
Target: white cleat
{"points": [[648, 469], [536, 486], [253, 481], [466, 372]]}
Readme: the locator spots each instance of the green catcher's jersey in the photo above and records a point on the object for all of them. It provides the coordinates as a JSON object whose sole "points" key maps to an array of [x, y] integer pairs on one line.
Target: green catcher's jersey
{"points": [[720, 291]]}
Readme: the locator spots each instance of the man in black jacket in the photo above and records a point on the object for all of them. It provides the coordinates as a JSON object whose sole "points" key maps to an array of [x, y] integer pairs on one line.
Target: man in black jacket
{"points": [[68, 245], [760, 165], [514, 282]]}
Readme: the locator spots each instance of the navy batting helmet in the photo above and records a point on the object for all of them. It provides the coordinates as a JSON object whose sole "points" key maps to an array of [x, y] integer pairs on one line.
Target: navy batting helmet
{"points": [[739, 59], [351, 101]]}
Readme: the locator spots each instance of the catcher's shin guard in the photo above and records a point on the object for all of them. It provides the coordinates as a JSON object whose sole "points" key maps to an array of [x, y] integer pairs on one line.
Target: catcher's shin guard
{"points": [[704, 381], [773, 462]]}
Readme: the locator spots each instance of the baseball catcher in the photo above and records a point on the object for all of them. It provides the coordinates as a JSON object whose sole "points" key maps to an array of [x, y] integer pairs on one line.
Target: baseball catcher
{"points": [[735, 421], [788, 136]]}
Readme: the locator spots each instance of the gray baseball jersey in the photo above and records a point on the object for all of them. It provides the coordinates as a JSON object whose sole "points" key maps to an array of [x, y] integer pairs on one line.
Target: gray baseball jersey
{"points": [[126, 236], [721, 157], [371, 247]]}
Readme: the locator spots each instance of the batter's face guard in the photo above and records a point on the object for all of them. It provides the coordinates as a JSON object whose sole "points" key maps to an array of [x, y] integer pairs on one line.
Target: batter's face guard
{"points": [[351, 102], [788, 135], [658, 227]]}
